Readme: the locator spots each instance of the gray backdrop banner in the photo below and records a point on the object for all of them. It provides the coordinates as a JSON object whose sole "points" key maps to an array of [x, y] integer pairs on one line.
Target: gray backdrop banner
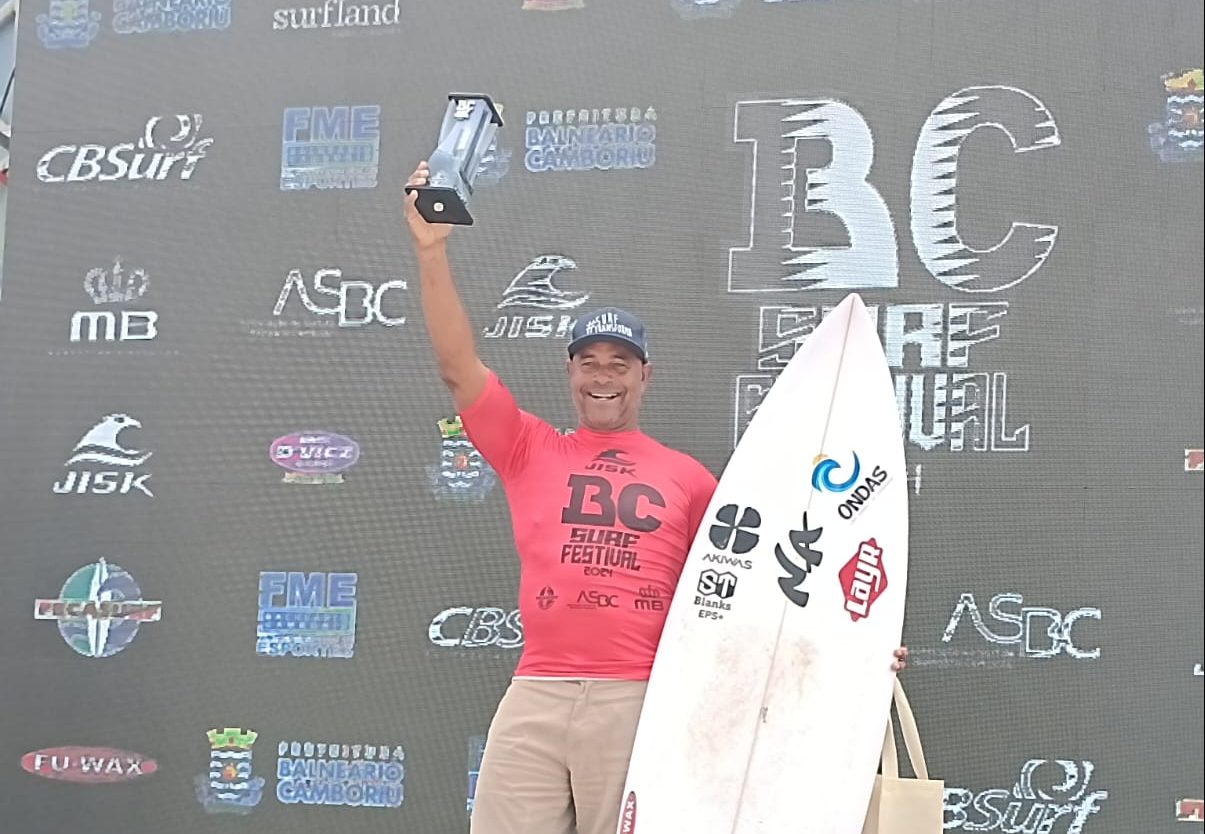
{"points": [[257, 579]]}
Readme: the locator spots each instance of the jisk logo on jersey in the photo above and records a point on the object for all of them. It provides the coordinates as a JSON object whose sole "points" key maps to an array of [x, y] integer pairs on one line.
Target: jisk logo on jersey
{"points": [[612, 460]]}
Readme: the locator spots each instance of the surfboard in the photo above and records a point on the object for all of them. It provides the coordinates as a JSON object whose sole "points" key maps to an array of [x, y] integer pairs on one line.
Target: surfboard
{"points": [[772, 683]]}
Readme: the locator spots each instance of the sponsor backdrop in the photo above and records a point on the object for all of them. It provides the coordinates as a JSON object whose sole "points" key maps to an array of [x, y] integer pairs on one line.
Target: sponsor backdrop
{"points": [[256, 578]]}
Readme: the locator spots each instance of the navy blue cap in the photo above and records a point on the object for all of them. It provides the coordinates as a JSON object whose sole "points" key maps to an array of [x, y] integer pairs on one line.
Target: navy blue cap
{"points": [[610, 324]]}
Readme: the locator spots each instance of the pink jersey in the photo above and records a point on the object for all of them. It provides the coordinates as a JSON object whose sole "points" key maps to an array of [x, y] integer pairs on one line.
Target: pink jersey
{"points": [[602, 524]]}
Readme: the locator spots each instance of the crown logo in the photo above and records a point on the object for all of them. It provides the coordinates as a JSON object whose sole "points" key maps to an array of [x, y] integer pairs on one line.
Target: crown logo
{"points": [[105, 287], [232, 738], [451, 427]]}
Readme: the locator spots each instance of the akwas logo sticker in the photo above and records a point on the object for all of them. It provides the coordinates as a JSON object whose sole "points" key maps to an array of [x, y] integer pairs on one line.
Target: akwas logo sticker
{"points": [[351, 775], [314, 457], [734, 534], [306, 614], [1046, 792], [533, 289], [170, 147], [230, 787], [830, 476], [99, 610], [101, 465], [67, 24], [89, 765]]}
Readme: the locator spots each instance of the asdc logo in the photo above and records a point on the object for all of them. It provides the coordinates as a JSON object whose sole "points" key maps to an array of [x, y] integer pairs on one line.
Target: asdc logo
{"points": [[1020, 631], [333, 302]]}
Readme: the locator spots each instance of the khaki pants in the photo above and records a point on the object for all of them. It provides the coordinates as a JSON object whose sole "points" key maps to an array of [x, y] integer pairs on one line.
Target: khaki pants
{"points": [[556, 757]]}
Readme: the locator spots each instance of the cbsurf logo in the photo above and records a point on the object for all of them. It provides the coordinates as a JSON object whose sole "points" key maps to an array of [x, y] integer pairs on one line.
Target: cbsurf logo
{"points": [[828, 475], [96, 765]]}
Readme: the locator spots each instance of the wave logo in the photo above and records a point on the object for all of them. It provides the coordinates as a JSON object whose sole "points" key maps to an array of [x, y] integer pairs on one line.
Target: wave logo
{"points": [[822, 474]]}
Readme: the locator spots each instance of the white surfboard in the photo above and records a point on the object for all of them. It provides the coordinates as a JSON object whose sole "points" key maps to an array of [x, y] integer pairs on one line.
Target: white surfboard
{"points": [[772, 683]]}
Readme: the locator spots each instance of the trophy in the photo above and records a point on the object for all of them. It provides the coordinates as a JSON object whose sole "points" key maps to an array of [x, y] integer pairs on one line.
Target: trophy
{"points": [[465, 136]]}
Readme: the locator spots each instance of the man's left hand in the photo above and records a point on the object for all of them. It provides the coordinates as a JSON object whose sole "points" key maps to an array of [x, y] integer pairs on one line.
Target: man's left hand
{"points": [[901, 659]]}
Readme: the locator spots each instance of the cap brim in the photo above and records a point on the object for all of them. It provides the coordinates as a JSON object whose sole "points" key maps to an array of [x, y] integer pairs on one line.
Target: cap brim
{"points": [[578, 344]]}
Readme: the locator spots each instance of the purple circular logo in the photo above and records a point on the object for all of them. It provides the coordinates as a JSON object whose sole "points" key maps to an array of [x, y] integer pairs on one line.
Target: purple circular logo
{"points": [[307, 452]]}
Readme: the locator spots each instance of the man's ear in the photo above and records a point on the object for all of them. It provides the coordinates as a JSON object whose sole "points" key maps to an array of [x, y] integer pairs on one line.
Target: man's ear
{"points": [[568, 365], [647, 372]]}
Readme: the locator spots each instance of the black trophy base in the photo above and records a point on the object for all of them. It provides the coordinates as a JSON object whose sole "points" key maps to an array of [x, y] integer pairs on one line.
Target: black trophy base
{"points": [[441, 205]]}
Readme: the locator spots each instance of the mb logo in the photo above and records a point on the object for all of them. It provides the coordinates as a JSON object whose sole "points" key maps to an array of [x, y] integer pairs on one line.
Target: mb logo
{"points": [[1035, 631], [114, 287], [354, 303]]}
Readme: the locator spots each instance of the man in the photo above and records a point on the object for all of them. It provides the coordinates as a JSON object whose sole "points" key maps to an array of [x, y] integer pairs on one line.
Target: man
{"points": [[597, 515]]}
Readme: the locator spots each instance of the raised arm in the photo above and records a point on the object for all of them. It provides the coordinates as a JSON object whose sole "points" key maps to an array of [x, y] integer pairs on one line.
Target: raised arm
{"points": [[448, 326]]}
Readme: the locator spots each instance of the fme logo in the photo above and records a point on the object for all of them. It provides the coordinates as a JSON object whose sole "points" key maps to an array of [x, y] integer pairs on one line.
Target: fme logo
{"points": [[330, 147], [306, 615]]}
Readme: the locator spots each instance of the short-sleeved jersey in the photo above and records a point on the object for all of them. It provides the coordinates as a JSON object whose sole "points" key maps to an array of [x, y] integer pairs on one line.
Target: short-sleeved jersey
{"points": [[602, 524]]}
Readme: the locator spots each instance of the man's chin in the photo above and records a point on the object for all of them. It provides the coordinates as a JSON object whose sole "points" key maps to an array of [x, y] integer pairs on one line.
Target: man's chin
{"points": [[603, 422]]}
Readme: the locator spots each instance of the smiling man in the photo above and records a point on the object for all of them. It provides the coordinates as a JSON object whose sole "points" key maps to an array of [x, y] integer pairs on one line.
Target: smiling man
{"points": [[603, 519]]}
